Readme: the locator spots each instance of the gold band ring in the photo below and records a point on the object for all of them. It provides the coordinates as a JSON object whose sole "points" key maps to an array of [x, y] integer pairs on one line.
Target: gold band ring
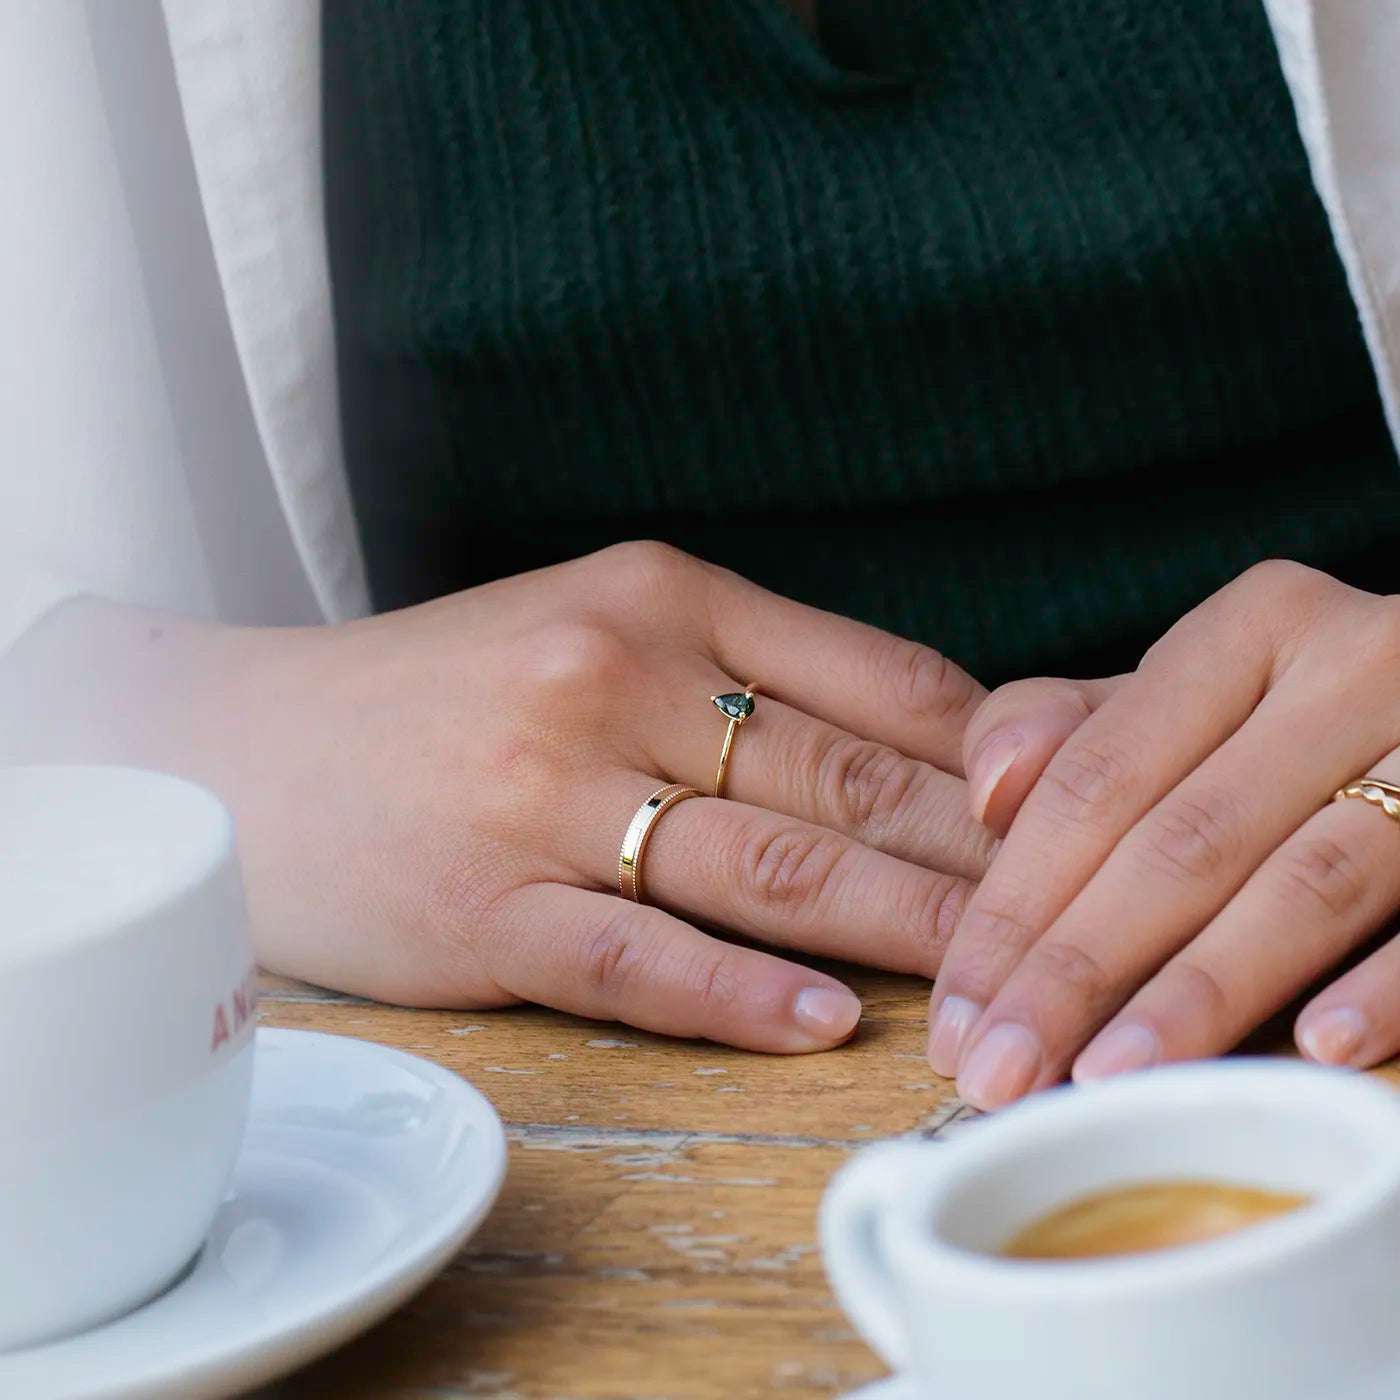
{"points": [[736, 707], [639, 829], [1380, 794]]}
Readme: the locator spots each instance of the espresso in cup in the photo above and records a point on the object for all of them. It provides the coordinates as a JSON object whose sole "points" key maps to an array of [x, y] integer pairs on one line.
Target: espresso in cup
{"points": [[1146, 1216], [1298, 1306]]}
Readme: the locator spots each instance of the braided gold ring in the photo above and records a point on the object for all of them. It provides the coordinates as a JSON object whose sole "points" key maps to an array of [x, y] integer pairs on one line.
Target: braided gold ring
{"points": [[1380, 794]]}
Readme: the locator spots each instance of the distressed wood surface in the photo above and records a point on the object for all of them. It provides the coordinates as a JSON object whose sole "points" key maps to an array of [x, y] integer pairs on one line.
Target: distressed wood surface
{"points": [[656, 1237]]}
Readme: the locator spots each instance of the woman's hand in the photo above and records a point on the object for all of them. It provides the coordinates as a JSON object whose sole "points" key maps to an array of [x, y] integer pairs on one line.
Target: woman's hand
{"points": [[431, 802], [1178, 872]]}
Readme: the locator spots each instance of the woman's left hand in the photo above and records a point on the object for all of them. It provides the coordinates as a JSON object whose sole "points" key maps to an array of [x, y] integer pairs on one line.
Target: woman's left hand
{"points": [[1177, 871]]}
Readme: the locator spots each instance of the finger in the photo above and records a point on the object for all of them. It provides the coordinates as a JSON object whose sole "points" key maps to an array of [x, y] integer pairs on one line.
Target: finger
{"points": [[1157, 727], [780, 880], [852, 675], [1163, 883], [1017, 730], [1356, 1021], [789, 762], [602, 956], [1322, 893]]}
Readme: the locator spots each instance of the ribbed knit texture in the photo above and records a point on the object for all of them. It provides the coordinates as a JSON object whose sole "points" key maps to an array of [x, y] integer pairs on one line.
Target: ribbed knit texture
{"points": [[1013, 325]]}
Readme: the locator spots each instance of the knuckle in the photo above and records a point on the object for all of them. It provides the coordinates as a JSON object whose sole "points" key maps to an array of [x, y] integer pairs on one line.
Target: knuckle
{"points": [[1200, 989], [923, 682], [933, 909], [711, 983], [1324, 873], [575, 656], [1282, 578], [614, 958], [1086, 776], [1194, 836], [1158, 655], [1072, 967], [1287, 605], [866, 784], [791, 867], [644, 566], [1380, 643], [990, 942]]}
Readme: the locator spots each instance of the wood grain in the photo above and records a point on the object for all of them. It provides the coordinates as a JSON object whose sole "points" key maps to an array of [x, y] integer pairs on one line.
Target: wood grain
{"points": [[656, 1236], [612, 1267], [556, 1071], [655, 1239]]}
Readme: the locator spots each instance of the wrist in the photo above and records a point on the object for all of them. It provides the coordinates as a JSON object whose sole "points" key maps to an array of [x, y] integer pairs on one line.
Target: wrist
{"points": [[100, 682]]}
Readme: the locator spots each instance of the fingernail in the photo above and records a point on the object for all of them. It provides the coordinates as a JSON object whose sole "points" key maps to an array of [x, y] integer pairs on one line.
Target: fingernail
{"points": [[996, 755], [1119, 1050], [1332, 1037], [955, 1019], [827, 1014], [1002, 1066]]}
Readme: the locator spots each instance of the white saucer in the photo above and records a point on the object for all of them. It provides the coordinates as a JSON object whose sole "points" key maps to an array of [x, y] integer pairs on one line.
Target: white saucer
{"points": [[891, 1388], [362, 1172], [906, 1388]]}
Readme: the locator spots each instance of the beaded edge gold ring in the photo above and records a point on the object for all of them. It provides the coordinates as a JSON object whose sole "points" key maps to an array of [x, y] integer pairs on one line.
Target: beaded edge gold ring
{"points": [[737, 706], [1378, 793], [639, 829]]}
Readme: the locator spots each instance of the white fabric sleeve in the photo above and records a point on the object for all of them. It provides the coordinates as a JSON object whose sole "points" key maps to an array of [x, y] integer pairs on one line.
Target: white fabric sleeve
{"points": [[1342, 62], [130, 466], [249, 76]]}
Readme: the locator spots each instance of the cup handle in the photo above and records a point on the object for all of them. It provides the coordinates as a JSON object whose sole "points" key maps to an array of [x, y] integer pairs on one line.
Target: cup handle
{"points": [[856, 1263]]}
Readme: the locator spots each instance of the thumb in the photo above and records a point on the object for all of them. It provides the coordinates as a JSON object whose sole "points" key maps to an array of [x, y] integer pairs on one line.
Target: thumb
{"points": [[1015, 733]]}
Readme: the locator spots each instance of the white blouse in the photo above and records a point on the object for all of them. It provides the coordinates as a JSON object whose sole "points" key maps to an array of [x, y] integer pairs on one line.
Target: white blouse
{"points": [[167, 371]]}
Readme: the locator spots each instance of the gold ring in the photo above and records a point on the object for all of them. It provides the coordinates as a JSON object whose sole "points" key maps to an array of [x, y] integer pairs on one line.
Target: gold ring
{"points": [[1380, 794], [737, 707], [639, 829]]}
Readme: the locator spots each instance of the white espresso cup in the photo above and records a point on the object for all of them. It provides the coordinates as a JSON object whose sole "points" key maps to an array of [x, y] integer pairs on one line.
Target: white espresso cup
{"points": [[1300, 1307], [127, 1008]]}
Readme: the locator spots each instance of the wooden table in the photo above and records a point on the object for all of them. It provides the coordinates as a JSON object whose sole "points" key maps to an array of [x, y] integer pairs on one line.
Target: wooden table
{"points": [[655, 1239]]}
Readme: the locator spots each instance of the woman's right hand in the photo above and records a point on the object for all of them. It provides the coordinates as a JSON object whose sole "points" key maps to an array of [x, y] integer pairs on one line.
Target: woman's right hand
{"points": [[431, 802]]}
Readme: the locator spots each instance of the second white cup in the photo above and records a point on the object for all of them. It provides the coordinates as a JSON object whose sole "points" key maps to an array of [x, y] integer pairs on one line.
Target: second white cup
{"points": [[1301, 1307]]}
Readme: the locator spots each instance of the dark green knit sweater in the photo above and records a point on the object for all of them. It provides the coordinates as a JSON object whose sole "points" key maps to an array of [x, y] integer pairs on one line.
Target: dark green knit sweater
{"points": [[1013, 325]]}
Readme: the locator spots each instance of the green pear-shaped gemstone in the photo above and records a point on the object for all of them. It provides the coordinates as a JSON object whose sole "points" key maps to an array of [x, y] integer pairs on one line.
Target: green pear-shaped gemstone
{"points": [[736, 706]]}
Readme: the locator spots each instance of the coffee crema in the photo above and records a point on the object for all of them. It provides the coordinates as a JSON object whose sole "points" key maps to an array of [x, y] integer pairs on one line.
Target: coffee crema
{"points": [[1149, 1216]]}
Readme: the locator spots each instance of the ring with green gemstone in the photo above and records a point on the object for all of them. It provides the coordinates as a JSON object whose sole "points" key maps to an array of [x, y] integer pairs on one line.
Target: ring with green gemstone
{"points": [[737, 706]]}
